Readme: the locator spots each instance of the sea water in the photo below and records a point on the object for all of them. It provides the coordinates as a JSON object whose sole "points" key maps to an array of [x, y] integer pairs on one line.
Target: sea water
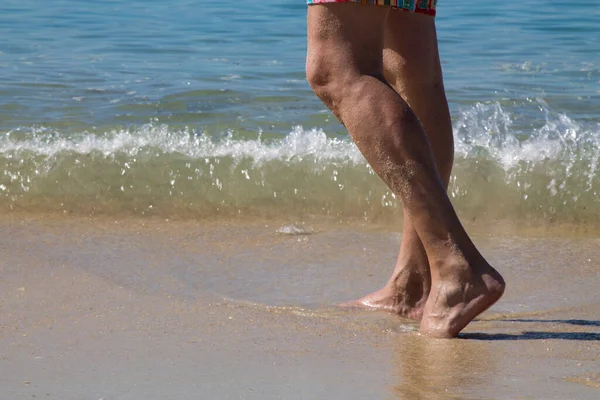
{"points": [[198, 109]]}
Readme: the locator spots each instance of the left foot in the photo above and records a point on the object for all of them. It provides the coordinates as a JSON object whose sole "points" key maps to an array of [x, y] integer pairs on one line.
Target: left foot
{"points": [[460, 297]]}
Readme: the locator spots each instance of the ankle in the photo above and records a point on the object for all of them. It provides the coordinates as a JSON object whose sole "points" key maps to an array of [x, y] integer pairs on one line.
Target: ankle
{"points": [[452, 269], [410, 284]]}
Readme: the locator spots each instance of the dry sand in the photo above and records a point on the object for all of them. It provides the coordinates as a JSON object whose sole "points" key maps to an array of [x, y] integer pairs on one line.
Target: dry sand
{"points": [[100, 309]]}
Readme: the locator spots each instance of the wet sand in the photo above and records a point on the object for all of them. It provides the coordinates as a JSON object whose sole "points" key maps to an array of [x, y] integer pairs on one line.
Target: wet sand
{"points": [[147, 309]]}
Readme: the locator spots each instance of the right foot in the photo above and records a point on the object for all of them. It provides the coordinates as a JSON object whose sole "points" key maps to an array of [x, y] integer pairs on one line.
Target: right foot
{"points": [[460, 297], [385, 300], [403, 297]]}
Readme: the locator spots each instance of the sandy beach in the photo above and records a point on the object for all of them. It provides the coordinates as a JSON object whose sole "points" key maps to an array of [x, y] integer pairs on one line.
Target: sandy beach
{"points": [[148, 309]]}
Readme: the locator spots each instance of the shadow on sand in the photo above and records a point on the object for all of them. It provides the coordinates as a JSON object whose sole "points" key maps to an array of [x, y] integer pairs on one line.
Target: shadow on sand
{"points": [[532, 335], [537, 335], [579, 322]]}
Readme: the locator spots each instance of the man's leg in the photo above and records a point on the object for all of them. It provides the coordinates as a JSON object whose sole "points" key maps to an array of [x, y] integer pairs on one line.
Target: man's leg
{"points": [[345, 68], [413, 69]]}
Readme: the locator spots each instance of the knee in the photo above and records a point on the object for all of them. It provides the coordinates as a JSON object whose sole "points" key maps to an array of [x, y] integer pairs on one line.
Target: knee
{"points": [[320, 79], [327, 83], [405, 74]]}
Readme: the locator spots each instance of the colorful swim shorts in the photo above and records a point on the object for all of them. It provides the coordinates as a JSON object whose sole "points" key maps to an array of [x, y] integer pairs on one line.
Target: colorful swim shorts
{"points": [[419, 6]]}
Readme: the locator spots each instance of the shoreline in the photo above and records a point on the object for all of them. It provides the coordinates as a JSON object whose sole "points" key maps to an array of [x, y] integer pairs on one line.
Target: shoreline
{"points": [[303, 224], [90, 308]]}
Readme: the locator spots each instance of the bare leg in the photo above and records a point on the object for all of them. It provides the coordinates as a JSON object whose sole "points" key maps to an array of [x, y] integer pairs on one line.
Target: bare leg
{"points": [[345, 68], [413, 69]]}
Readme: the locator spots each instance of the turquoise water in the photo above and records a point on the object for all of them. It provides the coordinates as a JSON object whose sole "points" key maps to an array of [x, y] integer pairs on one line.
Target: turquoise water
{"points": [[194, 109]]}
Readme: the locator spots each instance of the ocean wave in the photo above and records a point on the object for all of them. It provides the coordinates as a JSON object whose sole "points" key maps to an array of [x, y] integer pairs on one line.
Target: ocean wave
{"points": [[503, 169]]}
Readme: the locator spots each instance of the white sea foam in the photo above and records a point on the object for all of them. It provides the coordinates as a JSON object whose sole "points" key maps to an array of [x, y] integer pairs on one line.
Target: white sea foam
{"points": [[490, 128], [482, 132], [294, 230], [548, 168], [295, 146]]}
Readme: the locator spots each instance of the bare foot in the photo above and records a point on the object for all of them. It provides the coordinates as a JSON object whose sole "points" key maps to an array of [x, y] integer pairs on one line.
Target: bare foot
{"points": [[458, 298], [403, 296]]}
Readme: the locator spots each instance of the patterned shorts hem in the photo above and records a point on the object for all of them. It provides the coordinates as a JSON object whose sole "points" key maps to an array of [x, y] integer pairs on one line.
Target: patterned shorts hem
{"points": [[418, 6]]}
